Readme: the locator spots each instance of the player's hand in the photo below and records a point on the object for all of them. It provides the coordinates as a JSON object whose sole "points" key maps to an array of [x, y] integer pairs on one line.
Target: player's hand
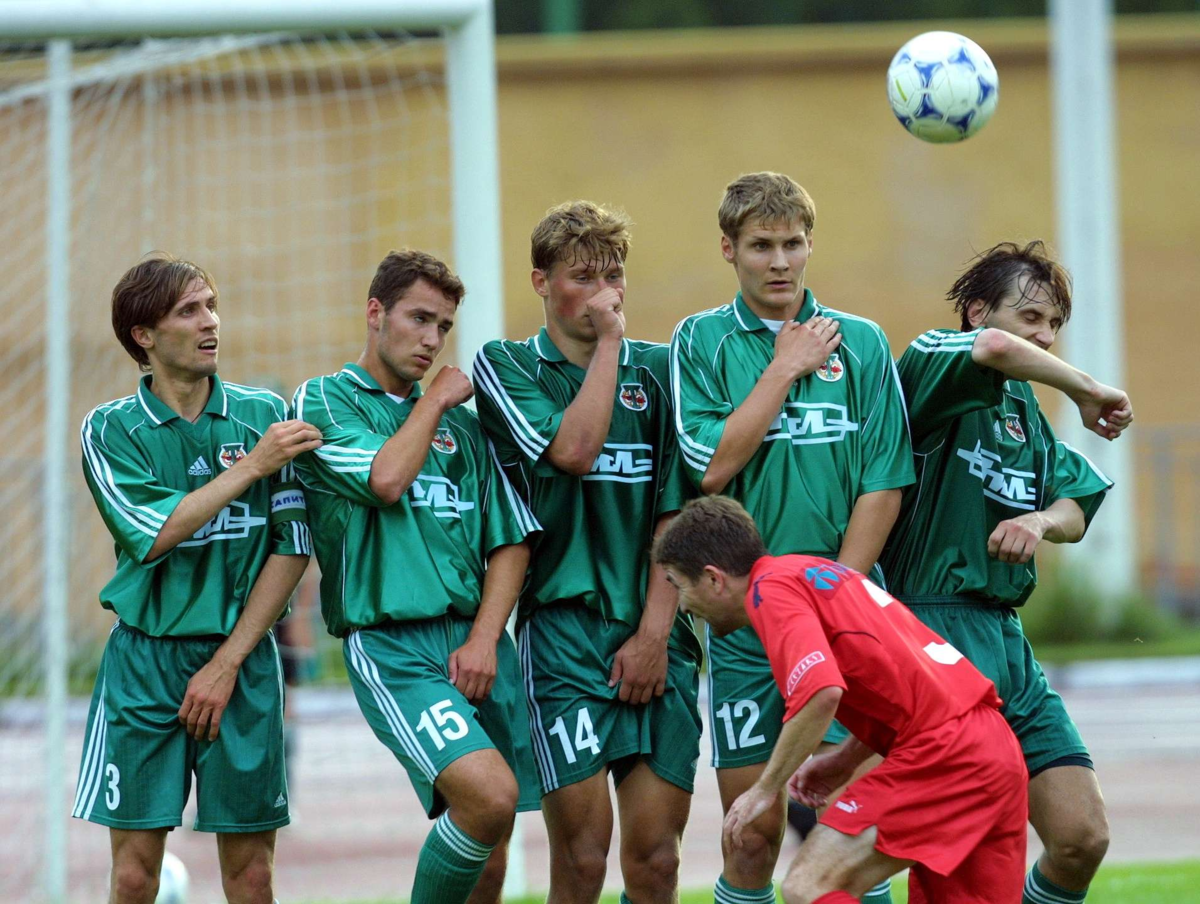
{"points": [[207, 696], [640, 667], [819, 777], [450, 388], [473, 668], [800, 348], [1014, 540], [605, 310], [282, 442], [1105, 410], [753, 803]]}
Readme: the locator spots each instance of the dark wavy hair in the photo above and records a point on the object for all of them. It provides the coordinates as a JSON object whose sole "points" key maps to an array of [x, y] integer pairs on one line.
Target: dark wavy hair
{"points": [[997, 271]]}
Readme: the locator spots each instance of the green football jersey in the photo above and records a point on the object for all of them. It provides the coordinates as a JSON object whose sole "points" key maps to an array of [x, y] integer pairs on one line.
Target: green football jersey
{"points": [[140, 459], [985, 453], [841, 433], [599, 526], [425, 554]]}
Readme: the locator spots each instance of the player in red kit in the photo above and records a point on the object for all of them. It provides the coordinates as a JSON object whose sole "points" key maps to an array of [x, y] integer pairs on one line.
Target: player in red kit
{"points": [[949, 799]]}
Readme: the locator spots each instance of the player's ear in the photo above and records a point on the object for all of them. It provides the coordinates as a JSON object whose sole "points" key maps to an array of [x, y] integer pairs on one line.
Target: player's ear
{"points": [[375, 313], [976, 312], [727, 248], [143, 336]]}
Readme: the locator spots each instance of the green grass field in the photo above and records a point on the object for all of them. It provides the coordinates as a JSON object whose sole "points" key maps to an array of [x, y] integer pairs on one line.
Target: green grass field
{"points": [[1139, 883]]}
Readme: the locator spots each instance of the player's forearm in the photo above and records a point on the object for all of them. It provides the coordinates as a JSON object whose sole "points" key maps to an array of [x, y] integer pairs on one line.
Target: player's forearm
{"points": [[799, 738], [268, 598], [745, 429], [399, 461], [1022, 360], [662, 599], [200, 506], [585, 422], [870, 523], [1064, 522], [501, 586], [853, 752]]}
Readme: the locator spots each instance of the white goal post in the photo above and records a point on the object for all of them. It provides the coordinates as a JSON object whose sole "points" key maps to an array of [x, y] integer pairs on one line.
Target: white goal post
{"points": [[467, 29]]}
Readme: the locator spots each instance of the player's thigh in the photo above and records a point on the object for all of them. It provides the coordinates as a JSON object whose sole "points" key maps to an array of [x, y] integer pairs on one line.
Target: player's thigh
{"points": [[140, 849], [135, 769], [243, 854], [241, 777], [479, 781], [578, 725], [652, 810], [399, 677], [830, 860], [579, 818], [504, 715], [1065, 802]]}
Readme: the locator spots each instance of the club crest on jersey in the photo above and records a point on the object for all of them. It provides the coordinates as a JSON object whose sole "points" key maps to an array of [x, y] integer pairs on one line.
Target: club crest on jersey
{"points": [[633, 396], [231, 454], [1012, 424], [443, 441], [832, 370]]}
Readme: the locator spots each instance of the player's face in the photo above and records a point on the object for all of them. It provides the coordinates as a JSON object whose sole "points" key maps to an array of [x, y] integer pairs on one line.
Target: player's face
{"points": [[185, 341], [769, 259], [568, 285], [1026, 310], [708, 597], [410, 336]]}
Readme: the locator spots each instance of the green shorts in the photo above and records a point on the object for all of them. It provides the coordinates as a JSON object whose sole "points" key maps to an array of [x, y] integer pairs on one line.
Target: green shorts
{"points": [[400, 675], [578, 723], [991, 637], [138, 759], [745, 707]]}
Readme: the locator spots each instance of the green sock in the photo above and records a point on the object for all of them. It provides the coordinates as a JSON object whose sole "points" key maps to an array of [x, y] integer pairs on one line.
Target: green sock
{"points": [[724, 893], [625, 899], [1040, 890], [449, 865], [880, 894]]}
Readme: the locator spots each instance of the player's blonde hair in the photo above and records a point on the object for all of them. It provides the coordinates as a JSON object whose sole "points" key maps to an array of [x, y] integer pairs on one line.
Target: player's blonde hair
{"points": [[711, 530], [580, 230], [768, 198]]}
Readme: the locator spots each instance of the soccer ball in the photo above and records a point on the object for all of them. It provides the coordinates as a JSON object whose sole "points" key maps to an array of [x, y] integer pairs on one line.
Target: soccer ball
{"points": [[172, 881], [942, 87]]}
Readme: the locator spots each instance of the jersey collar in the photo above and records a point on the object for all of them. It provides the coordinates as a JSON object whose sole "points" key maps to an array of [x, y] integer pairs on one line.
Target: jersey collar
{"points": [[361, 378], [548, 351], [160, 412], [748, 321]]}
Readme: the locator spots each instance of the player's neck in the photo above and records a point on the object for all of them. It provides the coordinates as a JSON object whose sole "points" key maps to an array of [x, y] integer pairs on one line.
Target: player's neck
{"points": [[387, 378], [772, 313], [185, 394], [578, 351]]}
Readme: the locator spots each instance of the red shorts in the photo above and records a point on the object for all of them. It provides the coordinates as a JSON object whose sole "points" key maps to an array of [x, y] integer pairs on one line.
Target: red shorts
{"points": [[953, 799]]}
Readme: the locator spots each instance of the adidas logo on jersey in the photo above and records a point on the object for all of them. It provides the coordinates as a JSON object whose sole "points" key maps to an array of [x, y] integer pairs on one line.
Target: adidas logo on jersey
{"points": [[200, 468]]}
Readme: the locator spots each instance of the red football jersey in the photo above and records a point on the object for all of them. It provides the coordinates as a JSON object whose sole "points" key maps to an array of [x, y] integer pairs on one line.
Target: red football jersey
{"points": [[825, 625]]}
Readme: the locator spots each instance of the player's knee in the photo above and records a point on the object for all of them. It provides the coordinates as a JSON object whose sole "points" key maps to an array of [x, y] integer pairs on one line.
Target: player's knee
{"points": [[758, 850], [132, 883], [496, 803], [585, 862], [653, 870], [1082, 847], [251, 884], [799, 888]]}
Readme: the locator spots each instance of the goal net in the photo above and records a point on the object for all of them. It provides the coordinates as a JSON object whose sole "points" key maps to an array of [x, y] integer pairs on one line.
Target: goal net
{"points": [[285, 164]]}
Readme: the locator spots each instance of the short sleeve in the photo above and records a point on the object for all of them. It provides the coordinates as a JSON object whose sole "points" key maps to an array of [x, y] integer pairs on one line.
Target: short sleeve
{"points": [[518, 415], [132, 500], [507, 519], [887, 449], [1074, 476], [342, 465], [289, 515], [942, 382], [699, 407]]}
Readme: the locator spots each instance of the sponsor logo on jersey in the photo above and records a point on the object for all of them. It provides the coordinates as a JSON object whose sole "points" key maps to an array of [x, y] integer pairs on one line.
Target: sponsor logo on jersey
{"points": [[623, 463], [439, 495], [832, 370], [286, 500], [825, 577], [758, 593], [231, 523], [1016, 489], [231, 454], [807, 424], [800, 668], [443, 441], [1012, 424], [851, 807], [633, 396], [200, 468]]}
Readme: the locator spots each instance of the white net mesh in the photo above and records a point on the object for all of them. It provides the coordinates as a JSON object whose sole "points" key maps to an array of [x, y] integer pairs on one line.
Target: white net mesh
{"points": [[287, 167]]}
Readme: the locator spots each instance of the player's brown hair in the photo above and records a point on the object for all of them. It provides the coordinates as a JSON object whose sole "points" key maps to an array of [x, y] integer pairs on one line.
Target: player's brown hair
{"points": [[397, 273], [711, 530], [580, 230], [146, 294], [998, 270], [767, 197]]}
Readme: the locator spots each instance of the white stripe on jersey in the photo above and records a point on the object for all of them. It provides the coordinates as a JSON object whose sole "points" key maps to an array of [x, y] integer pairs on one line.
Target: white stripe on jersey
{"points": [[530, 441]]}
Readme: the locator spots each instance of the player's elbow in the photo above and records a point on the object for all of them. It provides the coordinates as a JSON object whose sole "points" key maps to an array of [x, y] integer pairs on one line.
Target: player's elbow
{"points": [[825, 701], [713, 481], [574, 460], [990, 347], [387, 491]]}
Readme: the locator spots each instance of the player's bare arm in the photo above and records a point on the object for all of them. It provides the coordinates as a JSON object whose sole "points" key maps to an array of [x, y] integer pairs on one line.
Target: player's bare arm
{"points": [[473, 665], [825, 773], [1016, 539], [871, 521], [585, 423], [399, 461], [800, 348], [282, 442], [799, 738], [209, 690], [640, 665], [1105, 410]]}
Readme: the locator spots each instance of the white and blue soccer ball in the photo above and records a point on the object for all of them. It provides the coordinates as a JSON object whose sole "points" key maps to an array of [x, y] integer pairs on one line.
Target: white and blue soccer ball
{"points": [[172, 881], [942, 87]]}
